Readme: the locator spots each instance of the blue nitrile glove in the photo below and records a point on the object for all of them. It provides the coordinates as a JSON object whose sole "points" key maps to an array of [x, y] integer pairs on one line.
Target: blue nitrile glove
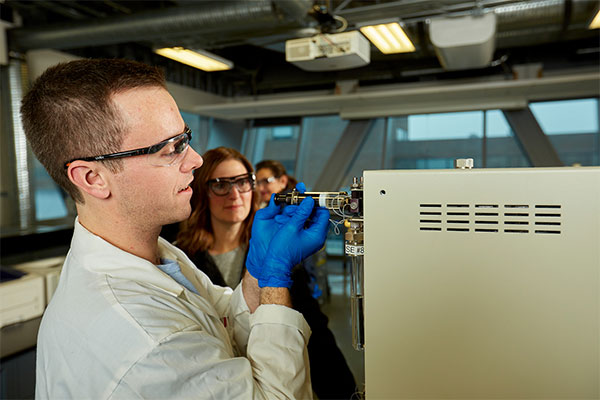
{"points": [[285, 215], [317, 292], [263, 229], [288, 211], [293, 242]]}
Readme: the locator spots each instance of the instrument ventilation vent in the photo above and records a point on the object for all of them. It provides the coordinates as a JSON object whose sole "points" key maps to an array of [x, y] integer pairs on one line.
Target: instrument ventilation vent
{"points": [[490, 218]]}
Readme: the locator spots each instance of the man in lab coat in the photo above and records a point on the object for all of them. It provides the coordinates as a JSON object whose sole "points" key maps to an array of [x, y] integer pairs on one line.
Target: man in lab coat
{"points": [[132, 317]]}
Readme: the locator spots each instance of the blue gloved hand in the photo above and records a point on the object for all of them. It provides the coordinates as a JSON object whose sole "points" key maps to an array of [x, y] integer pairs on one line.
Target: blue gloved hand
{"points": [[263, 229], [300, 187], [294, 241], [288, 211], [267, 221]]}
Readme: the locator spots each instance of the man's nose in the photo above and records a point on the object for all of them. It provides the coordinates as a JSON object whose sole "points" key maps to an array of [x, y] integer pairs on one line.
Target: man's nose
{"points": [[192, 160]]}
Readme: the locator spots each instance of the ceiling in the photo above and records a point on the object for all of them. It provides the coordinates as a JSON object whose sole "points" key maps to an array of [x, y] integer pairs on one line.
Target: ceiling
{"points": [[252, 34]]}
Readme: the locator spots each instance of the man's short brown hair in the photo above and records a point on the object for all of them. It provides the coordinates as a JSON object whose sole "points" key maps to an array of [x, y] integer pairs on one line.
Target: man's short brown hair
{"points": [[69, 112]]}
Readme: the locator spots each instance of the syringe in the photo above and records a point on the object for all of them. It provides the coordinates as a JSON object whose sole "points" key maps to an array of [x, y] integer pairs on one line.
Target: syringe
{"points": [[349, 207], [330, 200]]}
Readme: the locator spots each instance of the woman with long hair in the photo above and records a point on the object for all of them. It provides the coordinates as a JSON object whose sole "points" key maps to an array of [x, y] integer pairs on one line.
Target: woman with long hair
{"points": [[216, 234]]}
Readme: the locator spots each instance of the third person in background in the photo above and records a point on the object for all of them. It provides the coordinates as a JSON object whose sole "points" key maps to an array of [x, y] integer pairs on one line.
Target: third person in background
{"points": [[271, 177]]}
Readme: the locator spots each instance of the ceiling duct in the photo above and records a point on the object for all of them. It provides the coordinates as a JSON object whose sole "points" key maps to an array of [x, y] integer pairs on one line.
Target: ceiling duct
{"points": [[214, 17], [530, 13], [464, 42], [531, 22]]}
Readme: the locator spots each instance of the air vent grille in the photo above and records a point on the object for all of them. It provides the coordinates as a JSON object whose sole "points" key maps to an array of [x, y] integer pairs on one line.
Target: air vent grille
{"points": [[486, 218]]}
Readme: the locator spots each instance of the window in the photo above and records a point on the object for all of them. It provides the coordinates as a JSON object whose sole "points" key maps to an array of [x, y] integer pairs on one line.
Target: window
{"points": [[501, 147], [320, 136], [447, 126], [572, 127], [496, 125], [282, 132], [369, 157], [273, 143], [567, 117], [48, 196], [435, 140]]}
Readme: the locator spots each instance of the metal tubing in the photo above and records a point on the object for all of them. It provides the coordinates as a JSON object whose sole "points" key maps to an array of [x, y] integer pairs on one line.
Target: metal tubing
{"points": [[356, 303]]}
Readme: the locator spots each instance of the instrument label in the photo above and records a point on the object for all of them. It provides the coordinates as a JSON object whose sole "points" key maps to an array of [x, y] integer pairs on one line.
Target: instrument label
{"points": [[352, 250]]}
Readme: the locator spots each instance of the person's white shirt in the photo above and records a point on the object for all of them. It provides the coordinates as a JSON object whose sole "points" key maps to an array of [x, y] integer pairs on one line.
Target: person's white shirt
{"points": [[118, 327]]}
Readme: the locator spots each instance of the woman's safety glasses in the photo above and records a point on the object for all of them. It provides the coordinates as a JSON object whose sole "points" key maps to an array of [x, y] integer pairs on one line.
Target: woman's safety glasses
{"points": [[222, 186], [265, 181], [162, 154]]}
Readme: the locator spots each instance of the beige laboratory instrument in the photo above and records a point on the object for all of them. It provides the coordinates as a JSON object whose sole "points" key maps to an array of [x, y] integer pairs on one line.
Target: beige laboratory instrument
{"points": [[479, 283]]}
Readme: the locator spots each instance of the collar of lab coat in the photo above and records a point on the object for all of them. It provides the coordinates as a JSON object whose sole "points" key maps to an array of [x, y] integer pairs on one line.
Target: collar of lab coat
{"points": [[99, 256]]}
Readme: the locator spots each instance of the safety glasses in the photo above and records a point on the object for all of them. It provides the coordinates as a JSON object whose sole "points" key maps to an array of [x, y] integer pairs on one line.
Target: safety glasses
{"points": [[162, 154], [222, 186], [265, 181]]}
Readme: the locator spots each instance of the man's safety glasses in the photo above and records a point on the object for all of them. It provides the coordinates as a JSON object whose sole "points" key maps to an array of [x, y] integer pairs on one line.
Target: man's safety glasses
{"points": [[162, 154], [222, 186]]}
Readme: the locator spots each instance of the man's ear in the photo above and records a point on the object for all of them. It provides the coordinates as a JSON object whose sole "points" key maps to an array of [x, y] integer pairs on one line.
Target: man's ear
{"points": [[89, 178]]}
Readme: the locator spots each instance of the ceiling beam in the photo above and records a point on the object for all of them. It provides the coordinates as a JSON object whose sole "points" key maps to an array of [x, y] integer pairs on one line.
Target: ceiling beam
{"points": [[407, 99]]}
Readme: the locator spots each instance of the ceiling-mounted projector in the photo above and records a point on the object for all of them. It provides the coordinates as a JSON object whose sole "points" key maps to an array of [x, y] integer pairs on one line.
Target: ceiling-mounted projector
{"points": [[329, 52]]}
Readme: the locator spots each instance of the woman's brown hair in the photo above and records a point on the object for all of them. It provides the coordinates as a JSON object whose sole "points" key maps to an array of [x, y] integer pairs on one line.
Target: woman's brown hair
{"points": [[196, 233]]}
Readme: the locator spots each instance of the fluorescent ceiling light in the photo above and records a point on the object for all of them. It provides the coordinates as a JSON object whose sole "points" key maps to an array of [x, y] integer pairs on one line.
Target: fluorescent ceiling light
{"points": [[596, 21], [196, 58], [389, 38]]}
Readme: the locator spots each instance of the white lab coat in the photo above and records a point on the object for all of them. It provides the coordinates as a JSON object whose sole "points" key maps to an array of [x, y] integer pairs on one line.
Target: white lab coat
{"points": [[118, 327]]}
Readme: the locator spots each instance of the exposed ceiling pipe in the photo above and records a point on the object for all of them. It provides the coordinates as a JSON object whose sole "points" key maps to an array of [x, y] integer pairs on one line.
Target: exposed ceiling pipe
{"points": [[528, 23], [220, 16], [530, 13]]}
